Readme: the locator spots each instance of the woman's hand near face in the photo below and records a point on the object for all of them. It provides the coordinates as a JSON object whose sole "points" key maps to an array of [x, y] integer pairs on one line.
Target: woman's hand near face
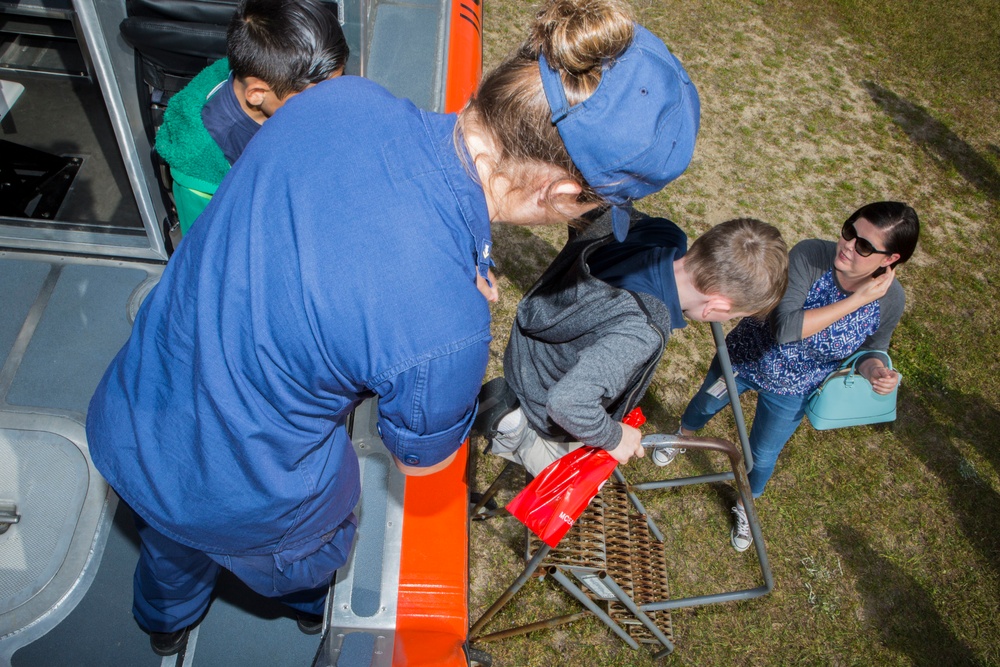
{"points": [[875, 288]]}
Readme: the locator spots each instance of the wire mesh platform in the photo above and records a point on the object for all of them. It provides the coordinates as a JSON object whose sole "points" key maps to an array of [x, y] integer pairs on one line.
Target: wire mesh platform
{"points": [[616, 552], [611, 540], [613, 561]]}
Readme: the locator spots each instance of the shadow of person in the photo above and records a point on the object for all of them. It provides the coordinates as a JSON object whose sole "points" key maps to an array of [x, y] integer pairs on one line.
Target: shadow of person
{"points": [[937, 139], [521, 256], [975, 503], [897, 606], [978, 424]]}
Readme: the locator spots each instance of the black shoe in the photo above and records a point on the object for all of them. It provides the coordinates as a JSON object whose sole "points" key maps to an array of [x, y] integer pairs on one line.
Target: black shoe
{"points": [[169, 643], [309, 624], [496, 401]]}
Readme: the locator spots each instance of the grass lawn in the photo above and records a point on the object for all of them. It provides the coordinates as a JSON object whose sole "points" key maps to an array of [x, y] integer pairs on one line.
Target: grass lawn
{"points": [[884, 541]]}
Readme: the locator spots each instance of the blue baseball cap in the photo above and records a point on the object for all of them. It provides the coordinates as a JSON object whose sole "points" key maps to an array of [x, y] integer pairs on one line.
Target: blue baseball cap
{"points": [[636, 132]]}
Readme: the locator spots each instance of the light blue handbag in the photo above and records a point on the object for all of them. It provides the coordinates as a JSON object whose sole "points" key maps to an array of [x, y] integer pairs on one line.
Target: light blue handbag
{"points": [[846, 398]]}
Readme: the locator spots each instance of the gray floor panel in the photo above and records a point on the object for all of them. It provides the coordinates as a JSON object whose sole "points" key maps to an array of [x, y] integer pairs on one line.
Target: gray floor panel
{"points": [[403, 45], [84, 325], [48, 482], [100, 632], [241, 627], [20, 283]]}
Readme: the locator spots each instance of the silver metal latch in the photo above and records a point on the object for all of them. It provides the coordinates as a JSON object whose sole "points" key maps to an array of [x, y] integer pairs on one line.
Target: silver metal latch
{"points": [[8, 515]]}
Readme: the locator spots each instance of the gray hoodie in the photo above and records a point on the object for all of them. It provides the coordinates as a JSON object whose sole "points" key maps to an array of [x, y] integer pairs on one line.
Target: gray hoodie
{"points": [[581, 352]]}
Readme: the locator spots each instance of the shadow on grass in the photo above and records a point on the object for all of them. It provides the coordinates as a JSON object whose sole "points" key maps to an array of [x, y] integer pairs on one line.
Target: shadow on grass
{"points": [[975, 503], [936, 138], [520, 256], [897, 606]]}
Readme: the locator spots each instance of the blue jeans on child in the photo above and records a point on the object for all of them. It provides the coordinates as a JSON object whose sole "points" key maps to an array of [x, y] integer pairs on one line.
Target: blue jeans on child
{"points": [[775, 421]]}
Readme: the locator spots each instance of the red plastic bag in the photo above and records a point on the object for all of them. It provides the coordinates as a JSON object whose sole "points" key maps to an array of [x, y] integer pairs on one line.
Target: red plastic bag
{"points": [[553, 501]]}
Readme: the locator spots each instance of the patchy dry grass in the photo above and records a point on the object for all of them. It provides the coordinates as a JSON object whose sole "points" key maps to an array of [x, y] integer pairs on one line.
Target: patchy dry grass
{"points": [[884, 541]]}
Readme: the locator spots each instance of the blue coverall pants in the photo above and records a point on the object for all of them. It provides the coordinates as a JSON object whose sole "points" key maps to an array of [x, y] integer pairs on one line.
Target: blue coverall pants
{"points": [[173, 582]]}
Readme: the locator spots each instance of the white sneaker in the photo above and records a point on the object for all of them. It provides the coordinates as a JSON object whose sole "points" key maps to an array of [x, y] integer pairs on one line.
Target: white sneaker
{"points": [[739, 535], [663, 456]]}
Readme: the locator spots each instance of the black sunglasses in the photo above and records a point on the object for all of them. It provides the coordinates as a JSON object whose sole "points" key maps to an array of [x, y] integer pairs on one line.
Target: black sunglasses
{"points": [[862, 246]]}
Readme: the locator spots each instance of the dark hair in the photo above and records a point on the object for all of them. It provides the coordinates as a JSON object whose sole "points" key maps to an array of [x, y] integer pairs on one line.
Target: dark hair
{"points": [[577, 38], [899, 224], [288, 44]]}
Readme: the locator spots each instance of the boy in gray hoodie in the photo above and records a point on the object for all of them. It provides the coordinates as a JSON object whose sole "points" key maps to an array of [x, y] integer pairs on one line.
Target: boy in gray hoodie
{"points": [[589, 334]]}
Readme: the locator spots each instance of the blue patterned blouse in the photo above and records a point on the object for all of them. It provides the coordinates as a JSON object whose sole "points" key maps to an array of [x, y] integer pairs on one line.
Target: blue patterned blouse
{"points": [[797, 368]]}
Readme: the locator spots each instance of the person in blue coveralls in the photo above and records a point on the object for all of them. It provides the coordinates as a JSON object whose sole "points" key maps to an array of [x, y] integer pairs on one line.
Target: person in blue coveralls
{"points": [[340, 261], [275, 49]]}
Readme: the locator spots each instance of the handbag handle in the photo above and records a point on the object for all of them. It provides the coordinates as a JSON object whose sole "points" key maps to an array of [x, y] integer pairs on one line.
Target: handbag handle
{"points": [[852, 361]]}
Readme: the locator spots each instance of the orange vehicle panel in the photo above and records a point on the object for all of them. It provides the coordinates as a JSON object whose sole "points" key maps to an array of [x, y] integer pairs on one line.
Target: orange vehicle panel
{"points": [[465, 53], [432, 616]]}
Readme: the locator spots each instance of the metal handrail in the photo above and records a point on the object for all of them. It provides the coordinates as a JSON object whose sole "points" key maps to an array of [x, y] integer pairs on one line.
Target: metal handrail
{"points": [[734, 395]]}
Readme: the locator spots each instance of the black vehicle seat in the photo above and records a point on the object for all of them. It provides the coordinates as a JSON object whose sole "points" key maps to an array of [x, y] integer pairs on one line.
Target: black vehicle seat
{"points": [[173, 41]]}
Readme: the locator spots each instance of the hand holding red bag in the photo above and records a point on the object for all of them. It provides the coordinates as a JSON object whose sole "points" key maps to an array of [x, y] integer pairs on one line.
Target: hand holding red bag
{"points": [[555, 499]]}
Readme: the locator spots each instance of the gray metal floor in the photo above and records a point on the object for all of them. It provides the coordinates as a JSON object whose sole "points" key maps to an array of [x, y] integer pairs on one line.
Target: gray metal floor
{"points": [[66, 567], [241, 628], [63, 321]]}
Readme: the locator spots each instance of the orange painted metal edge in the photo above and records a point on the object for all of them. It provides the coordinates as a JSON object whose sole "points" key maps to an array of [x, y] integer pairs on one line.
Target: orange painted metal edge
{"points": [[432, 615], [465, 53]]}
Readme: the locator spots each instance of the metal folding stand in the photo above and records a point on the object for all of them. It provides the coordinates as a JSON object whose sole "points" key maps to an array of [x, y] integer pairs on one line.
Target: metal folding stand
{"points": [[612, 561]]}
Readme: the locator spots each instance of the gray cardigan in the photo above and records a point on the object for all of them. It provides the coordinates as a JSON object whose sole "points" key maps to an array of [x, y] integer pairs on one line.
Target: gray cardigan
{"points": [[807, 262]]}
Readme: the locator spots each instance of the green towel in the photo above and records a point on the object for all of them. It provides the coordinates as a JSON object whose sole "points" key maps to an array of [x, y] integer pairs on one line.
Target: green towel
{"points": [[182, 140]]}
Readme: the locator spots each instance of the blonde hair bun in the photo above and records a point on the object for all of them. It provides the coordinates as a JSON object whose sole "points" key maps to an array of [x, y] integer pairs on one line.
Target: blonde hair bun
{"points": [[577, 36]]}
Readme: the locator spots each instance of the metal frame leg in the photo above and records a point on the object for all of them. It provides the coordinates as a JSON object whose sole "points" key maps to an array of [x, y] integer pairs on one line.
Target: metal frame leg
{"points": [[734, 395], [492, 491], [531, 627], [637, 612], [509, 593], [582, 598]]}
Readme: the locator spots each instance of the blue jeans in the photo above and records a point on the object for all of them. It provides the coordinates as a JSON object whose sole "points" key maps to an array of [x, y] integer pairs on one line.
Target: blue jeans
{"points": [[173, 582], [774, 423]]}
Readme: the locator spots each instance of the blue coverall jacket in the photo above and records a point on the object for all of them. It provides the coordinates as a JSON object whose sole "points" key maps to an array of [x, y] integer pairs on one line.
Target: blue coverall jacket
{"points": [[337, 261]]}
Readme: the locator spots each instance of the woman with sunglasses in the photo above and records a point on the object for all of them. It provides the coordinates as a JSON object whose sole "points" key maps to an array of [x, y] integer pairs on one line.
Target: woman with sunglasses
{"points": [[842, 297]]}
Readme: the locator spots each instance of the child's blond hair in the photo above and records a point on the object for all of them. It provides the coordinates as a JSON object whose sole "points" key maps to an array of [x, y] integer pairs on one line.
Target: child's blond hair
{"points": [[745, 260]]}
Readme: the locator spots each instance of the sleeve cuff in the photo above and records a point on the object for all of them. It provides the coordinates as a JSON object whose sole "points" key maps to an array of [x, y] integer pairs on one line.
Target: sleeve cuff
{"points": [[424, 449]]}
